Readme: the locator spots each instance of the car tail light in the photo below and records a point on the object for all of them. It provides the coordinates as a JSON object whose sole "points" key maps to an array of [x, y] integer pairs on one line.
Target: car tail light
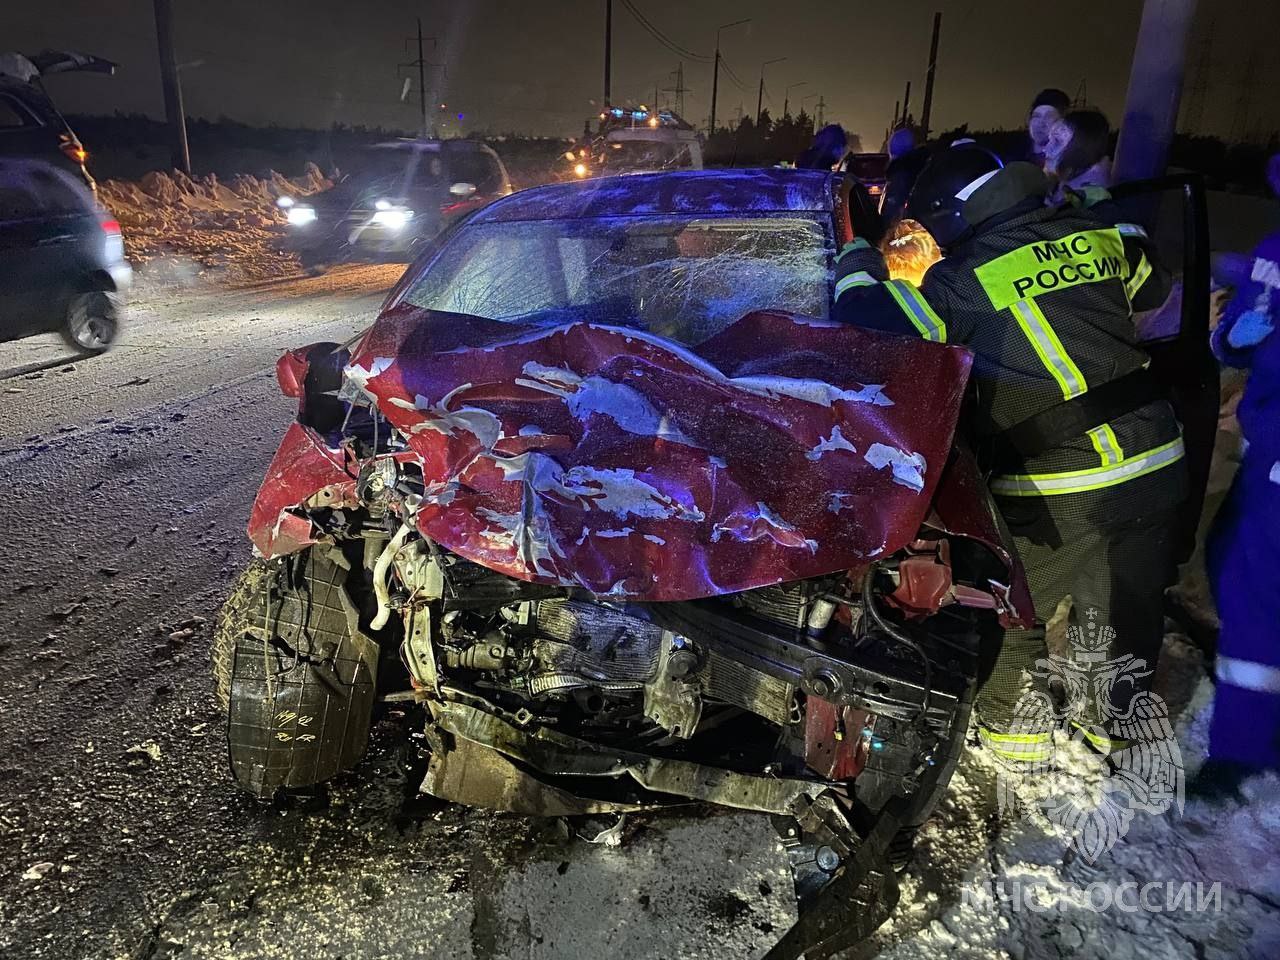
{"points": [[114, 246], [74, 151]]}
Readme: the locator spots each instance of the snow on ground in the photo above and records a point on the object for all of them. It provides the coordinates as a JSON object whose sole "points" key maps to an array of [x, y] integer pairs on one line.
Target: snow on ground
{"points": [[179, 230], [993, 887]]}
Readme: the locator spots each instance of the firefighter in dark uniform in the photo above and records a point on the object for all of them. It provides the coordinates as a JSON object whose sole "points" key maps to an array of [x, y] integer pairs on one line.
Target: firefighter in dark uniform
{"points": [[1084, 453]]}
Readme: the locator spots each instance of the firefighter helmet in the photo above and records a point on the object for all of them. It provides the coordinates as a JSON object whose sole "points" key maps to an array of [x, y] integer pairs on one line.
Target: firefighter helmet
{"points": [[965, 185]]}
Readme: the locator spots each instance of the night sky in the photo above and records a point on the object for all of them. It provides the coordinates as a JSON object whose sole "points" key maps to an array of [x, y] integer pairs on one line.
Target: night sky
{"points": [[537, 67]]}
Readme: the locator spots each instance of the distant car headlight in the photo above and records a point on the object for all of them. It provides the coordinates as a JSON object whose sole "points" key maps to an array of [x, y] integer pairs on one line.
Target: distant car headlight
{"points": [[300, 216], [580, 170], [393, 219]]}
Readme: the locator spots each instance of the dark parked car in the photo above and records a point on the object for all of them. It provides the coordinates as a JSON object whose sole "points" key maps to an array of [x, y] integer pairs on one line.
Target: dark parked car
{"points": [[62, 265], [30, 124], [870, 169], [401, 196]]}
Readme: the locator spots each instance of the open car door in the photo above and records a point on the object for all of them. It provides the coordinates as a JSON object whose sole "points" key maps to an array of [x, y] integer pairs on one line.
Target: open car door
{"points": [[1174, 211]]}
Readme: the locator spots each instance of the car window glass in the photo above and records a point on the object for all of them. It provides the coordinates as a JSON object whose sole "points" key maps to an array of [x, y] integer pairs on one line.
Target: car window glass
{"points": [[476, 168], [429, 171], [12, 116], [17, 202], [685, 279], [509, 271], [55, 194]]}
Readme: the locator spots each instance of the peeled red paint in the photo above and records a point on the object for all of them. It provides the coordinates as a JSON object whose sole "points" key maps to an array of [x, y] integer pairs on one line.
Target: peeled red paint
{"points": [[610, 459]]}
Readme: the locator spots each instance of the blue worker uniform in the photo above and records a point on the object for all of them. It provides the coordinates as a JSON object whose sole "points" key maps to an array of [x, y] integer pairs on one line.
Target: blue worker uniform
{"points": [[1242, 552]]}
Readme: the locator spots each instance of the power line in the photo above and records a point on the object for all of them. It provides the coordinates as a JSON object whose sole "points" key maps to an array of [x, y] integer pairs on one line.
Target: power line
{"points": [[661, 37], [737, 81]]}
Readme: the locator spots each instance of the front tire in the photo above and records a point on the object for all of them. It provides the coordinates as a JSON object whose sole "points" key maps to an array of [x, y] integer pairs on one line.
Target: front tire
{"points": [[92, 322], [295, 672]]}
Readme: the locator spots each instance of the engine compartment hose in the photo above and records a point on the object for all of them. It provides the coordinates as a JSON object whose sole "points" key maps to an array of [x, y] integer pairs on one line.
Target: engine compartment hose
{"points": [[381, 569], [869, 601]]}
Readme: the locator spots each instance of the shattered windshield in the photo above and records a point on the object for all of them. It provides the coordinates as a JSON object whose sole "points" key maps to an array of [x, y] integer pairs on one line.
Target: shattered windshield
{"points": [[681, 278]]}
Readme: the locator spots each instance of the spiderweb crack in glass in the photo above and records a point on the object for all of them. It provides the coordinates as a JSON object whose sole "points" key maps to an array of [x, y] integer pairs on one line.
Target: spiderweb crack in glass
{"points": [[682, 279]]}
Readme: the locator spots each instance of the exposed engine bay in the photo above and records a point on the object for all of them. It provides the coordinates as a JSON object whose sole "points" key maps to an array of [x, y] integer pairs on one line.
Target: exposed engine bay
{"points": [[713, 634], [836, 704]]}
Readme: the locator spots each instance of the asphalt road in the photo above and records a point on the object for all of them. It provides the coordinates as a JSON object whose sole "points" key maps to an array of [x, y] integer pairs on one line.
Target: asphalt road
{"points": [[121, 833]]}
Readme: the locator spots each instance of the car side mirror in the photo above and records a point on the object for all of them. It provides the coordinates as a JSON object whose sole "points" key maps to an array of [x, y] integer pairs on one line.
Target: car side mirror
{"points": [[462, 189]]}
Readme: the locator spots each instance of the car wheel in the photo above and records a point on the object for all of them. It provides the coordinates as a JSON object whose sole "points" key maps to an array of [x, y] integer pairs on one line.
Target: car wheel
{"points": [[92, 321], [296, 673]]}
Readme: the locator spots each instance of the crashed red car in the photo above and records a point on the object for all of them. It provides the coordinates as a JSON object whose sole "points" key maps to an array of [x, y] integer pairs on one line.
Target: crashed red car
{"points": [[606, 497]]}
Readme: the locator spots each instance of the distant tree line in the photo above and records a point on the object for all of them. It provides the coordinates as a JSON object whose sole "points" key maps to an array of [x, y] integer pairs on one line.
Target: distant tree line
{"points": [[751, 144], [128, 144]]}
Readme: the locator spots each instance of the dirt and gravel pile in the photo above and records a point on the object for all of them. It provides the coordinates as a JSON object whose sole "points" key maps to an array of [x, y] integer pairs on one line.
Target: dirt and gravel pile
{"points": [[182, 230]]}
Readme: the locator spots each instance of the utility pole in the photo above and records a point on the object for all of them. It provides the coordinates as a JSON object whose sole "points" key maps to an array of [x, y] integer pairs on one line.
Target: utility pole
{"points": [[897, 105], [179, 154], [421, 64], [906, 105], [1200, 85], [927, 111], [422, 80], [1240, 124], [715, 91], [1155, 87], [608, 53], [679, 89], [715, 73], [760, 97], [786, 97], [822, 112]]}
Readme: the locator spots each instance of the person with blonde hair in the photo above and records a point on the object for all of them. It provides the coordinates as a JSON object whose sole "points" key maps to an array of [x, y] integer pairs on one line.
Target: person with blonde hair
{"points": [[909, 251]]}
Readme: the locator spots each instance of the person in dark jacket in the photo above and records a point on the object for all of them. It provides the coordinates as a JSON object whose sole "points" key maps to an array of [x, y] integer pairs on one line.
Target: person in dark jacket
{"points": [[906, 159], [1044, 296], [830, 144], [1047, 109], [1242, 546], [1078, 155]]}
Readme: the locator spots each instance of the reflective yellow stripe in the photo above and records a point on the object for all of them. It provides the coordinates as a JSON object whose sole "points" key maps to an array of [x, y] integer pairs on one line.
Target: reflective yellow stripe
{"points": [[1095, 478], [1015, 737], [1107, 444], [1028, 747], [918, 311], [1141, 273], [1049, 348], [1099, 741], [859, 279], [1091, 256]]}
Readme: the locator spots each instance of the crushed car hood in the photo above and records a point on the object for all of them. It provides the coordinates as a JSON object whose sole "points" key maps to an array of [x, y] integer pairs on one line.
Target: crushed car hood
{"points": [[609, 459]]}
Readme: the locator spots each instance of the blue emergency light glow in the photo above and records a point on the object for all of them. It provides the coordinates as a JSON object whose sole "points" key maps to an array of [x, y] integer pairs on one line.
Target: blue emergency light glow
{"points": [[638, 114], [618, 112]]}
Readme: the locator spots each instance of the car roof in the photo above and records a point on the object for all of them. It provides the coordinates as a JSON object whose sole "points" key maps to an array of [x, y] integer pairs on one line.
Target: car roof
{"points": [[684, 192]]}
